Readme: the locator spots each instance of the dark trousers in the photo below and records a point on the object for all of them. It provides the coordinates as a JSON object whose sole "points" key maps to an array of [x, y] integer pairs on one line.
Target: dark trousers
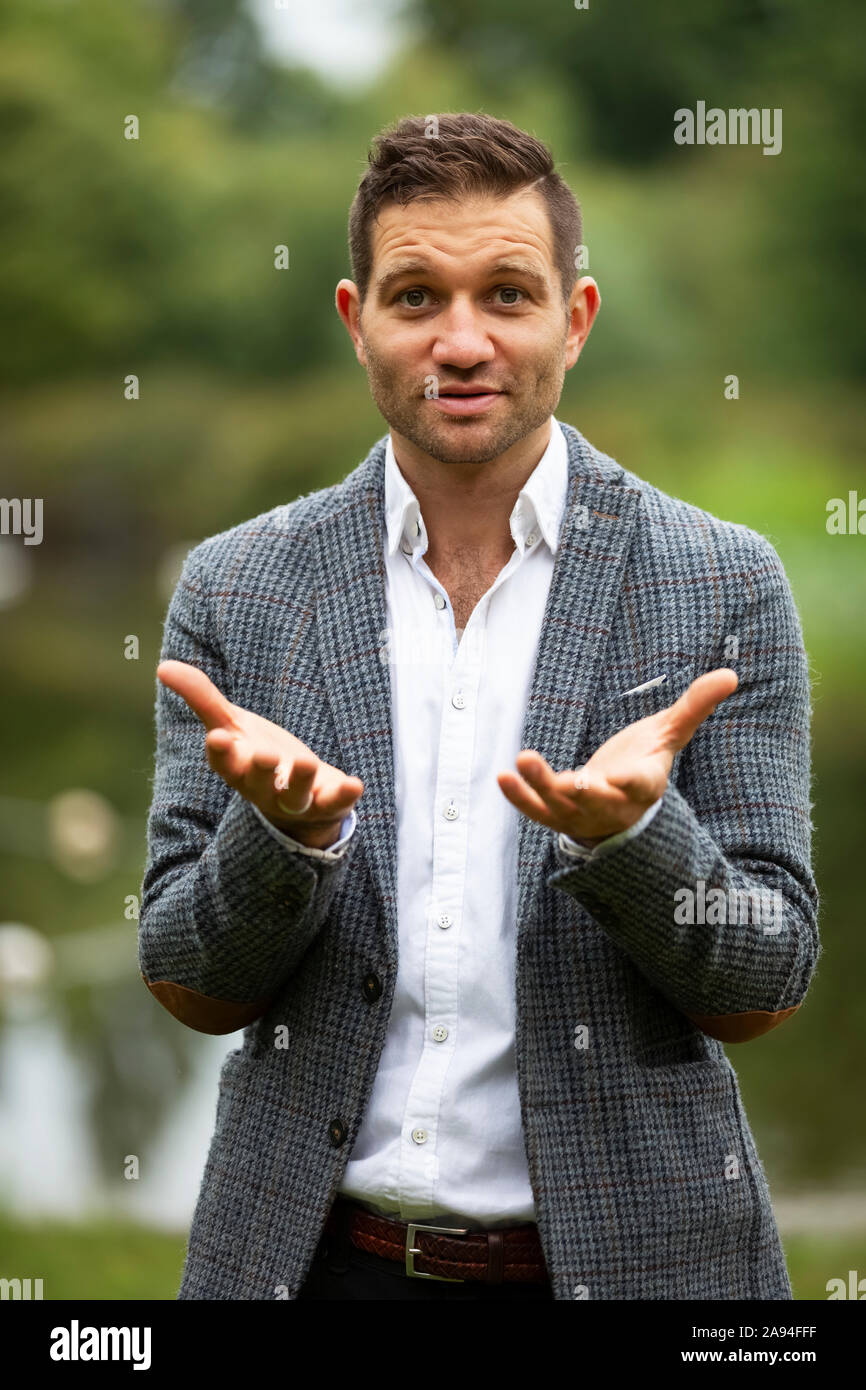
{"points": [[341, 1270]]}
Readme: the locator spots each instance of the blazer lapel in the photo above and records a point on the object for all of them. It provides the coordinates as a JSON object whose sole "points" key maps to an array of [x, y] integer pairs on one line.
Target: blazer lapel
{"points": [[594, 541], [348, 549]]}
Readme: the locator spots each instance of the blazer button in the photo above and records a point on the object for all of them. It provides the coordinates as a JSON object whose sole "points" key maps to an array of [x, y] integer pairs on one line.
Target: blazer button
{"points": [[336, 1133], [372, 988]]}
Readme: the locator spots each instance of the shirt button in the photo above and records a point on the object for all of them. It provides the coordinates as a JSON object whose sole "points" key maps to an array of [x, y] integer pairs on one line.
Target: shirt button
{"points": [[420, 1136], [458, 699], [532, 538], [451, 812], [372, 987], [439, 601], [444, 921], [440, 1033], [336, 1133]]}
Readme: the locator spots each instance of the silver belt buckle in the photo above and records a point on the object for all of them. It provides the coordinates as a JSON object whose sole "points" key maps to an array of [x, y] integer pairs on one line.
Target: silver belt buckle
{"points": [[412, 1250]]}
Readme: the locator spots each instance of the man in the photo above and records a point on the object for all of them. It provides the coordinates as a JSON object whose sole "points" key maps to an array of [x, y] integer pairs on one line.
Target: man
{"points": [[505, 766]]}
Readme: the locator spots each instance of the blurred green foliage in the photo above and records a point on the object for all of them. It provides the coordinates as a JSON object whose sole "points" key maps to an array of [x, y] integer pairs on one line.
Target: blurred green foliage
{"points": [[93, 1260], [156, 257]]}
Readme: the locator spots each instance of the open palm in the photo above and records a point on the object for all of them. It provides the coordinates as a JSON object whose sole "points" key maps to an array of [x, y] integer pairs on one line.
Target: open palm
{"points": [[264, 763], [624, 777]]}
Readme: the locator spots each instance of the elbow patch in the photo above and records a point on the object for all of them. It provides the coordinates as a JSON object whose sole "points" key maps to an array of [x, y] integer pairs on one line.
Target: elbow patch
{"points": [[202, 1013], [733, 1028]]}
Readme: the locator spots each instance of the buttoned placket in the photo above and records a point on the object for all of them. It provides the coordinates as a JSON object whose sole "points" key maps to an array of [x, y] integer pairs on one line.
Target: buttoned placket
{"points": [[418, 1167]]}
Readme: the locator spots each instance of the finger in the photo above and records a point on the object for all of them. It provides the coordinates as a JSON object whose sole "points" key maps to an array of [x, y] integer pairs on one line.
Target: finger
{"points": [[225, 755], [685, 715], [199, 691], [263, 775], [578, 783], [339, 800], [574, 795], [293, 784], [535, 769], [521, 795], [561, 791], [297, 809], [229, 754]]}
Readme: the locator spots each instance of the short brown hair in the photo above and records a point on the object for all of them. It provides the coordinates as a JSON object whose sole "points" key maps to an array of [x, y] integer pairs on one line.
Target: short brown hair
{"points": [[470, 154]]}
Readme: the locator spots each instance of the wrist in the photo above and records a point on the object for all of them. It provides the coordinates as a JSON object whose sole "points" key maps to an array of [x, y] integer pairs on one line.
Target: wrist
{"points": [[622, 833], [313, 837]]}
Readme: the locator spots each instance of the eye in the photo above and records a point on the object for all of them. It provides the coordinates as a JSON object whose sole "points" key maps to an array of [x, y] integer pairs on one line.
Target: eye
{"points": [[510, 289], [405, 292]]}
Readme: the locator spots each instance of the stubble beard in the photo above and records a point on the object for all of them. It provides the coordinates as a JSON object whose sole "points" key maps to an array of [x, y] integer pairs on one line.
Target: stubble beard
{"points": [[466, 439]]}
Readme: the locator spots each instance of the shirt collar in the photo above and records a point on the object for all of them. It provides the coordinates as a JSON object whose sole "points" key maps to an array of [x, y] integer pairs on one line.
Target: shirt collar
{"points": [[538, 509]]}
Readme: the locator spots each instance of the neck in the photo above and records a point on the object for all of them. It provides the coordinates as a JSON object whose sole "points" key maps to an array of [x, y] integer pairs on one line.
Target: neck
{"points": [[468, 506]]}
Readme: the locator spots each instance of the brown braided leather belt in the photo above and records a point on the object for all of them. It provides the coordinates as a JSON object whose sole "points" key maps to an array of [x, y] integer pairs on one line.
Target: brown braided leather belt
{"points": [[512, 1254]]}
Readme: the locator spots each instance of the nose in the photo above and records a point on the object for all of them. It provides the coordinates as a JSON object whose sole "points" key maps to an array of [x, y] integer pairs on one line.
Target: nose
{"points": [[461, 337]]}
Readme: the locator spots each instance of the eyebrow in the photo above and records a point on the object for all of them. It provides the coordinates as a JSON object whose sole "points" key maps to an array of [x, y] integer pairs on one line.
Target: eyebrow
{"points": [[419, 266]]}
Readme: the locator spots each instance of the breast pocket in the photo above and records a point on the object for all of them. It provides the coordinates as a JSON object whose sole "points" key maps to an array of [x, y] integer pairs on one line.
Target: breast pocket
{"points": [[617, 708]]}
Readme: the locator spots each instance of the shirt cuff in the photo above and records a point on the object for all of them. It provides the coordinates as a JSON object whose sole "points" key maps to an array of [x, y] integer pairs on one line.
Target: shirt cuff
{"points": [[578, 851], [331, 855]]}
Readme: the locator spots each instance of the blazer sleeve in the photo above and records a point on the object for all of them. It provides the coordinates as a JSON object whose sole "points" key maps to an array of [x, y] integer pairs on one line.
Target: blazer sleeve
{"points": [[738, 961], [227, 911]]}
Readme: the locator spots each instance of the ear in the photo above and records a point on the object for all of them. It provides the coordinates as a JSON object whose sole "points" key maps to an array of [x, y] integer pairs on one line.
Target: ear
{"points": [[348, 301], [584, 304]]}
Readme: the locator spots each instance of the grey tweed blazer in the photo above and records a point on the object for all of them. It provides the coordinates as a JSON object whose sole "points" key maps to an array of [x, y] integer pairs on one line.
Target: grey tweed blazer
{"points": [[646, 1177]]}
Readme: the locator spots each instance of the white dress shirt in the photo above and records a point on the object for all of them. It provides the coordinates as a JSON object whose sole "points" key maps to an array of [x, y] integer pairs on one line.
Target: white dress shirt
{"points": [[442, 1138]]}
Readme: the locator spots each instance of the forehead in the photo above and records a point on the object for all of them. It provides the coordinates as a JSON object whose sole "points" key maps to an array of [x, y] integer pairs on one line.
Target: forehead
{"points": [[469, 230]]}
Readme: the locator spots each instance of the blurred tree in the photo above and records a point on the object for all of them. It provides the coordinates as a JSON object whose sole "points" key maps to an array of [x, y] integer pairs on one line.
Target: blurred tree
{"points": [[114, 252], [632, 64], [221, 61]]}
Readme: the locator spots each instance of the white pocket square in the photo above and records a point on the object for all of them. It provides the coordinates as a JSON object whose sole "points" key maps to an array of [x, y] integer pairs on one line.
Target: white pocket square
{"points": [[647, 685]]}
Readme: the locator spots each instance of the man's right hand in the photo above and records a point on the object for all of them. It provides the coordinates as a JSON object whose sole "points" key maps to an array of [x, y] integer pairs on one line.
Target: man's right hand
{"points": [[266, 764]]}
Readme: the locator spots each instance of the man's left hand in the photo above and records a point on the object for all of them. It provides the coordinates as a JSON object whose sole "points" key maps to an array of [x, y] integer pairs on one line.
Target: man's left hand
{"points": [[624, 777]]}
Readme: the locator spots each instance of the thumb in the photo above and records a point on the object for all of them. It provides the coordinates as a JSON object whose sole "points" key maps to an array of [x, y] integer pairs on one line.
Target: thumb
{"points": [[687, 713], [199, 691]]}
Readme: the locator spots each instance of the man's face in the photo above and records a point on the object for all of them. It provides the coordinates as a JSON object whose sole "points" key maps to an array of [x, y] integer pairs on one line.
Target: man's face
{"points": [[466, 294]]}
